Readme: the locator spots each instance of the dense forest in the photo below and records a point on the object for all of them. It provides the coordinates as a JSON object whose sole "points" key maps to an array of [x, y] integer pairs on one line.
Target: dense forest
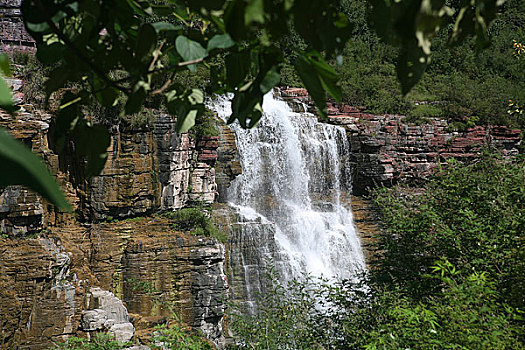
{"points": [[462, 83]]}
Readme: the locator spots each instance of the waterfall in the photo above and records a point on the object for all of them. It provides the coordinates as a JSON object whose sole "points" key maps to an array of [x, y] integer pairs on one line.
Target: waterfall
{"points": [[289, 200]]}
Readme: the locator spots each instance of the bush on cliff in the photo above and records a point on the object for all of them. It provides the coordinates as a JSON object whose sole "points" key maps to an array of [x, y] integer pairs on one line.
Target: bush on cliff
{"points": [[197, 221], [101, 341], [473, 215]]}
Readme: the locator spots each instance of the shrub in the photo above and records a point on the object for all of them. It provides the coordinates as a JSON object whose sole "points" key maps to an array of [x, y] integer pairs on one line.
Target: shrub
{"points": [[197, 221], [423, 114], [205, 125], [101, 341], [175, 337], [464, 314], [473, 215]]}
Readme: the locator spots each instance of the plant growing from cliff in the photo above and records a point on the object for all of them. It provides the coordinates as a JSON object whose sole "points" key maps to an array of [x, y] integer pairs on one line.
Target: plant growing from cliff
{"points": [[205, 125], [175, 337], [197, 221], [101, 341], [173, 334]]}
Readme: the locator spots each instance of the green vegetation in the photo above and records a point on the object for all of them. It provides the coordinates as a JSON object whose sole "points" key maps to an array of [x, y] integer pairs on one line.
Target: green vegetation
{"points": [[100, 341], [197, 221], [449, 273], [460, 80], [205, 125], [175, 337], [473, 215], [172, 337], [464, 314]]}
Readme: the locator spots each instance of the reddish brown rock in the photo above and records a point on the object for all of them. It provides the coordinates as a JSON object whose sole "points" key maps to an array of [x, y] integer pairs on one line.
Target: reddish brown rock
{"points": [[385, 150]]}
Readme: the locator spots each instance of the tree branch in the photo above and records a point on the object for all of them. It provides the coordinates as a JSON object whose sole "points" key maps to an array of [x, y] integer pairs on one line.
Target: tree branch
{"points": [[76, 50]]}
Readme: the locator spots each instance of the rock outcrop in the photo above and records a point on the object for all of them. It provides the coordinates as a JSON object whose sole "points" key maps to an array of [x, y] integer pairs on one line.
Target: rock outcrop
{"points": [[107, 313], [53, 262], [14, 36], [152, 169], [385, 149], [228, 166], [48, 282]]}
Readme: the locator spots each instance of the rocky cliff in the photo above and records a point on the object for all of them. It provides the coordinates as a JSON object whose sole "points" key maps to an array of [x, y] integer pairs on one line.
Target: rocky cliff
{"points": [[51, 261], [14, 36], [385, 149]]}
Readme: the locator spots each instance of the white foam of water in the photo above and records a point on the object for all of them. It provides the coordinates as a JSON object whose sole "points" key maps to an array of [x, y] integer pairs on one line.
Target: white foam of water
{"points": [[291, 177]]}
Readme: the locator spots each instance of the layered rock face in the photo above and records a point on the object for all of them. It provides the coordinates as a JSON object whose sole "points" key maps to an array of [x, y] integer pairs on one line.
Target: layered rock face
{"points": [[150, 169], [385, 150], [12, 28], [52, 262], [48, 282]]}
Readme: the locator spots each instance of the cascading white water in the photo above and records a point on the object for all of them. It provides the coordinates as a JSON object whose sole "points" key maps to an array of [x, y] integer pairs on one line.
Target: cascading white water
{"points": [[289, 199]]}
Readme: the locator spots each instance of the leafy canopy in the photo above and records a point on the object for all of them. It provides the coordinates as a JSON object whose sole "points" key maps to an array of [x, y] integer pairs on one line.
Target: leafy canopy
{"points": [[150, 42]]}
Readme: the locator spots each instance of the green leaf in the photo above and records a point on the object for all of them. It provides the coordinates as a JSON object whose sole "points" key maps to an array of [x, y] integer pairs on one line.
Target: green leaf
{"points": [[146, 41], [57, 79], [381, 18], [108, 96], [327, 75], [50, 54], [135, 101], [5, 68], [206, 5], [318, 77], [220, 41], [312, 83], [247, 108], [22, 167], [237, 67], [162, 11], [186, 107], [321, 25], [164, 26], [271, 78], [92, 142], [6, 100], [254, 12], [234, 20], [37, 27], [411, 64], [190, 50], [139, 9]]}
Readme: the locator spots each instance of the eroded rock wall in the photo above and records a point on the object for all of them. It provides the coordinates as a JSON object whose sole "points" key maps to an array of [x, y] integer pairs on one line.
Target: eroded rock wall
{"points": [[14, 36], [47, 282], [50, 260], [385, 149]]}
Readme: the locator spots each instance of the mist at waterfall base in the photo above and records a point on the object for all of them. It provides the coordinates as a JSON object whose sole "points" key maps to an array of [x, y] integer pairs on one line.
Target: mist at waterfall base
{"points": [[289, 201]]}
